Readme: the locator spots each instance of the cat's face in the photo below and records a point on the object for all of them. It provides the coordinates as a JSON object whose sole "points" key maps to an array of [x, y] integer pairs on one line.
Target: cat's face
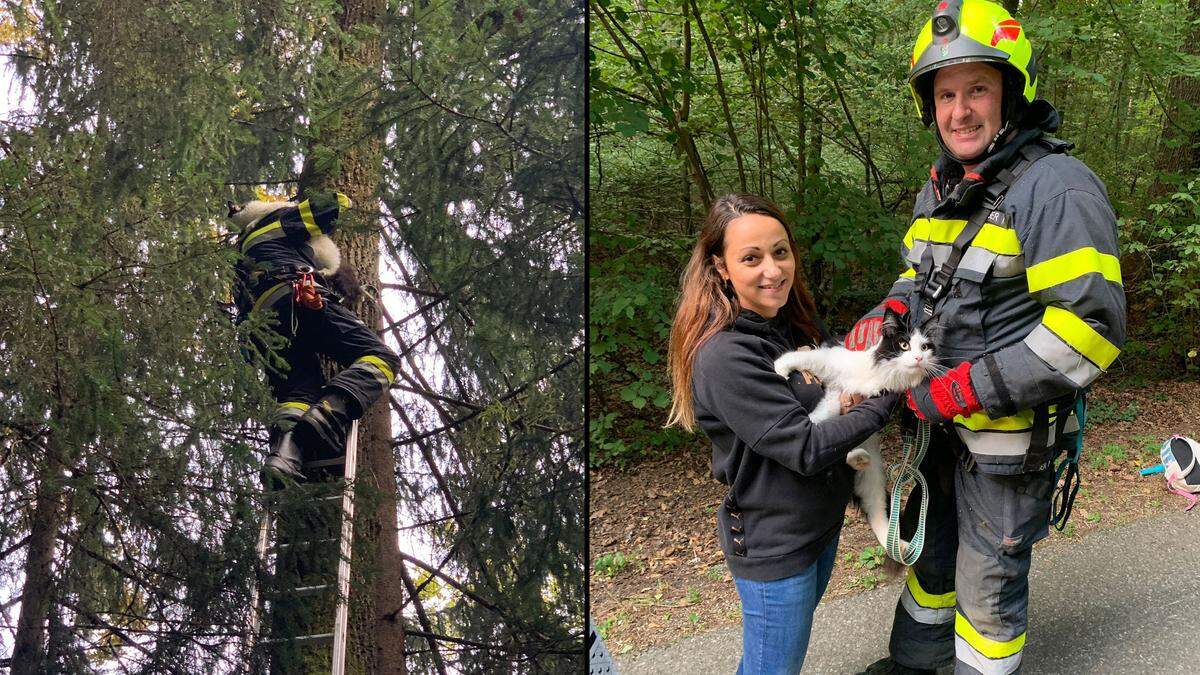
{"points": [[909, 353]]}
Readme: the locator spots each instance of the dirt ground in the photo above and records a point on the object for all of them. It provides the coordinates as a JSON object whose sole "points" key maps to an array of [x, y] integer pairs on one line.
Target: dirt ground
{"points": [[657, 573]]}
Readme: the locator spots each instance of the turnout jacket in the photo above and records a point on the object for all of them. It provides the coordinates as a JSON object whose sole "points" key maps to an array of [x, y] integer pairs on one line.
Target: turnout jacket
{"points": [[1036, 305], [276, 247], [788, 479]]}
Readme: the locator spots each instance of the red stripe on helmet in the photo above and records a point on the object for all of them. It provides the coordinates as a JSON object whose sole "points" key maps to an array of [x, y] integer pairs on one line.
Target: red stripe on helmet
{"points": [[1008, 29]]}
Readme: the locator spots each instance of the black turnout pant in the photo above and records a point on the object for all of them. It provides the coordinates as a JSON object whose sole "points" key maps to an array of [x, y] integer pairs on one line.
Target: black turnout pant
{"points": [[368, 364]]}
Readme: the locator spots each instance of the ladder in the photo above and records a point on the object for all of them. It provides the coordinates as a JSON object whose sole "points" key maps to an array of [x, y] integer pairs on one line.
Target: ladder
{"points": [[342, 494]]}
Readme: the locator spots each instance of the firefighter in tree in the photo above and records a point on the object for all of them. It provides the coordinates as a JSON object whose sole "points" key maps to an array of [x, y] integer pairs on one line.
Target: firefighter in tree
{"points": [[291, 267]]}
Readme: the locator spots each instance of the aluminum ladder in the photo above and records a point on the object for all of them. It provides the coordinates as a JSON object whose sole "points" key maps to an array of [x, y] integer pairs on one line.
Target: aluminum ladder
{"points": [[267, 531]]}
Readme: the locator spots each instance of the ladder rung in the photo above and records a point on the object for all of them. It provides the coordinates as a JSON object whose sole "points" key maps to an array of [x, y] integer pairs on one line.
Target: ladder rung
{"points": [[301, 639], [310, 541], [309, 590]]}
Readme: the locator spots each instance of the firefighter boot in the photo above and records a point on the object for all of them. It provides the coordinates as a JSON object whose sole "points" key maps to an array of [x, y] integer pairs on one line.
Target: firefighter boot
{"points": [[886, 666], [283, 463], [322, 429]]}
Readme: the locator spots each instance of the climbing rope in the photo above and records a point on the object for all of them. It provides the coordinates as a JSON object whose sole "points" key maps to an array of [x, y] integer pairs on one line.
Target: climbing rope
{"points": [[903, 475], [1068, 472]]}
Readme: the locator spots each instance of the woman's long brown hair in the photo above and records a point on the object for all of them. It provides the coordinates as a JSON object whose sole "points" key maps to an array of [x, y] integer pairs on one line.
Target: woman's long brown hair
{"points": [[706, 305]]}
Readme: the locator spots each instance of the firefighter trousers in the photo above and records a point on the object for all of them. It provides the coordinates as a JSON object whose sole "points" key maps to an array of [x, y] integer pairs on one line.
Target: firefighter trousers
{"points": [[966, 600], [368, 364]]}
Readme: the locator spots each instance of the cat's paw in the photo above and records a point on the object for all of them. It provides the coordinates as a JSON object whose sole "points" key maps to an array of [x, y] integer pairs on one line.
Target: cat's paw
{"points": [[858, 459]]}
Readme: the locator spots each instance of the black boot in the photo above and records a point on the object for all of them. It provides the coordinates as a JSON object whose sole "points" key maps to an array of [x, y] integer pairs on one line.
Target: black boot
{"points": [[886, 666], [283, 464], [322, 429]]}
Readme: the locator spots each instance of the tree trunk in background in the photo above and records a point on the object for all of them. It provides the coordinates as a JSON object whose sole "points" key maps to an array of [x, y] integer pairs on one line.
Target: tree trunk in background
{"points": [[29, 646], [1179, 145], [377, 590]]}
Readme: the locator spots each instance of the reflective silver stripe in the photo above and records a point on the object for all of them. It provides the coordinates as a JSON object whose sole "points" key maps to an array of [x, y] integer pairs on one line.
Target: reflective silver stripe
{"points": [[1008, 266], [1061, 356], [1072, 424], [1010, 444], [925, 615], [964, 652], [940, 252], [975, 264]]}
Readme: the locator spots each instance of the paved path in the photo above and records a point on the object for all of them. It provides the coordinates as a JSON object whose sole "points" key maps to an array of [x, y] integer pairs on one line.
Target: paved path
{"points": [[1120, 601]]}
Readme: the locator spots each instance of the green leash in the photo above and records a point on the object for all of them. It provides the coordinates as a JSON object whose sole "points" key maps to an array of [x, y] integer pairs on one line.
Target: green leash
{"points": [[904, 475]]}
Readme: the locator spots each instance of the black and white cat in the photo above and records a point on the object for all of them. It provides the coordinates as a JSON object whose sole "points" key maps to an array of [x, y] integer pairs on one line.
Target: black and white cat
{"points": [[902, 359], [324, 252]]}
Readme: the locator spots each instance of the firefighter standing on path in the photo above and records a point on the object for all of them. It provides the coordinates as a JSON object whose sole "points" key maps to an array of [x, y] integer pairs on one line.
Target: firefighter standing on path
{"points": [[1012, 251], [283, 248]]}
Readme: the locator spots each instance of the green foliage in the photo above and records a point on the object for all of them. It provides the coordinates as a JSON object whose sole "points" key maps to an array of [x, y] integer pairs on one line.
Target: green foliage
{"points": [[1167, 240], [870, 557], [123, 395], [629, 317], [1103, 412], [611, 564], [812, 110]]}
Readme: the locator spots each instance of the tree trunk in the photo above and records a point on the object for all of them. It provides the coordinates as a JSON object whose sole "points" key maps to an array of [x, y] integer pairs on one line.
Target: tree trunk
{"points": [[29, 647], [377, 591], [733, 137], [1179, 144]]}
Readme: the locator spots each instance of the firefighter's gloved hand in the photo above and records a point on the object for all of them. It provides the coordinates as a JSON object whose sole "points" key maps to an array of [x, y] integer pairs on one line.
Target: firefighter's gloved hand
{"points": [[865, 333], [943, 397]]}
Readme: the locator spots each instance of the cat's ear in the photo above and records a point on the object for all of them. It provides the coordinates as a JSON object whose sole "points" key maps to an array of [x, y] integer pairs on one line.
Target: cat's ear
{"points": [[893, 323], [233, 208]]}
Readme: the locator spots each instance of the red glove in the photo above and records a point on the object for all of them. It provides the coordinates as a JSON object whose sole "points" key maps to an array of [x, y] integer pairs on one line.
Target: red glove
{"points": [[945, 396], [865, 333]]}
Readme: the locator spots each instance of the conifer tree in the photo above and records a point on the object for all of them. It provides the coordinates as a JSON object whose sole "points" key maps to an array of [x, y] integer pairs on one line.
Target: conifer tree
{"points": [[130, 426]]}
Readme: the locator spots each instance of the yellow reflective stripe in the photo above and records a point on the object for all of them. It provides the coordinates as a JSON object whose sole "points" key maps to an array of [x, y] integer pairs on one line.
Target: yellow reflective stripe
{"points": [[295, 404], [269, 297], [381, 365], [993, 649], [310, 223], [934, 230], [997, 240], [910, 273], [343, 202], [1068, 266], [254, 235], [980, 421], [928, 599], [1083, 338]]}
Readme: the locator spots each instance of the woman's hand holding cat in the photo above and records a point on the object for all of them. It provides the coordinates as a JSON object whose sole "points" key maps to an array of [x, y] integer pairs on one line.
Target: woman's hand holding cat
{"points": [[946, 396], [848, 401]]}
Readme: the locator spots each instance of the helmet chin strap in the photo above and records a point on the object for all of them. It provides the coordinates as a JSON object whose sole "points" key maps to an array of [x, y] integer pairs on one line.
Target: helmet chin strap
{"points": [[987, 152]]}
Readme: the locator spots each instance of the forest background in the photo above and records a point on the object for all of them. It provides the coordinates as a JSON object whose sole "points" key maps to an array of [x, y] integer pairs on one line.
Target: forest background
{"points": [[806, 102], [131, 428]]}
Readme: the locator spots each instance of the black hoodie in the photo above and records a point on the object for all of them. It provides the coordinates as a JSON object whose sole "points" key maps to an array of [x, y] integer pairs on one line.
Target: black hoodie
{"points": [[789, 482]]}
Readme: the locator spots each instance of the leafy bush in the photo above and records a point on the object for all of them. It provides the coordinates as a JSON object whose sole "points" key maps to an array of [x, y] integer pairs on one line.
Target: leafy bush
{"points": [[1163, 249], [632, 296], [611, 564]]}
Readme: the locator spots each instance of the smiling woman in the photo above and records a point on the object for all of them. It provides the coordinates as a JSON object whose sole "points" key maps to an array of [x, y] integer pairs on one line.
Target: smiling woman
{"points": [[758, 262], [744, 303]]}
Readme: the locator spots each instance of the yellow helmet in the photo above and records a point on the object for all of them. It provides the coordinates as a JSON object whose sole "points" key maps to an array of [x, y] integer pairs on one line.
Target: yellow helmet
{"points": [[966, 31]]}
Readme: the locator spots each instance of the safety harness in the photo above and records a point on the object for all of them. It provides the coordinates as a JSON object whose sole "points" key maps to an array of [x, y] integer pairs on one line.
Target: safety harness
{"points": [[932, 286]]}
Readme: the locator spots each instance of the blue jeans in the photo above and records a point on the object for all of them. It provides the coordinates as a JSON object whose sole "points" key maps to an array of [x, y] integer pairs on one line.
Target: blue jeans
{"points": [[777, 617]]}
